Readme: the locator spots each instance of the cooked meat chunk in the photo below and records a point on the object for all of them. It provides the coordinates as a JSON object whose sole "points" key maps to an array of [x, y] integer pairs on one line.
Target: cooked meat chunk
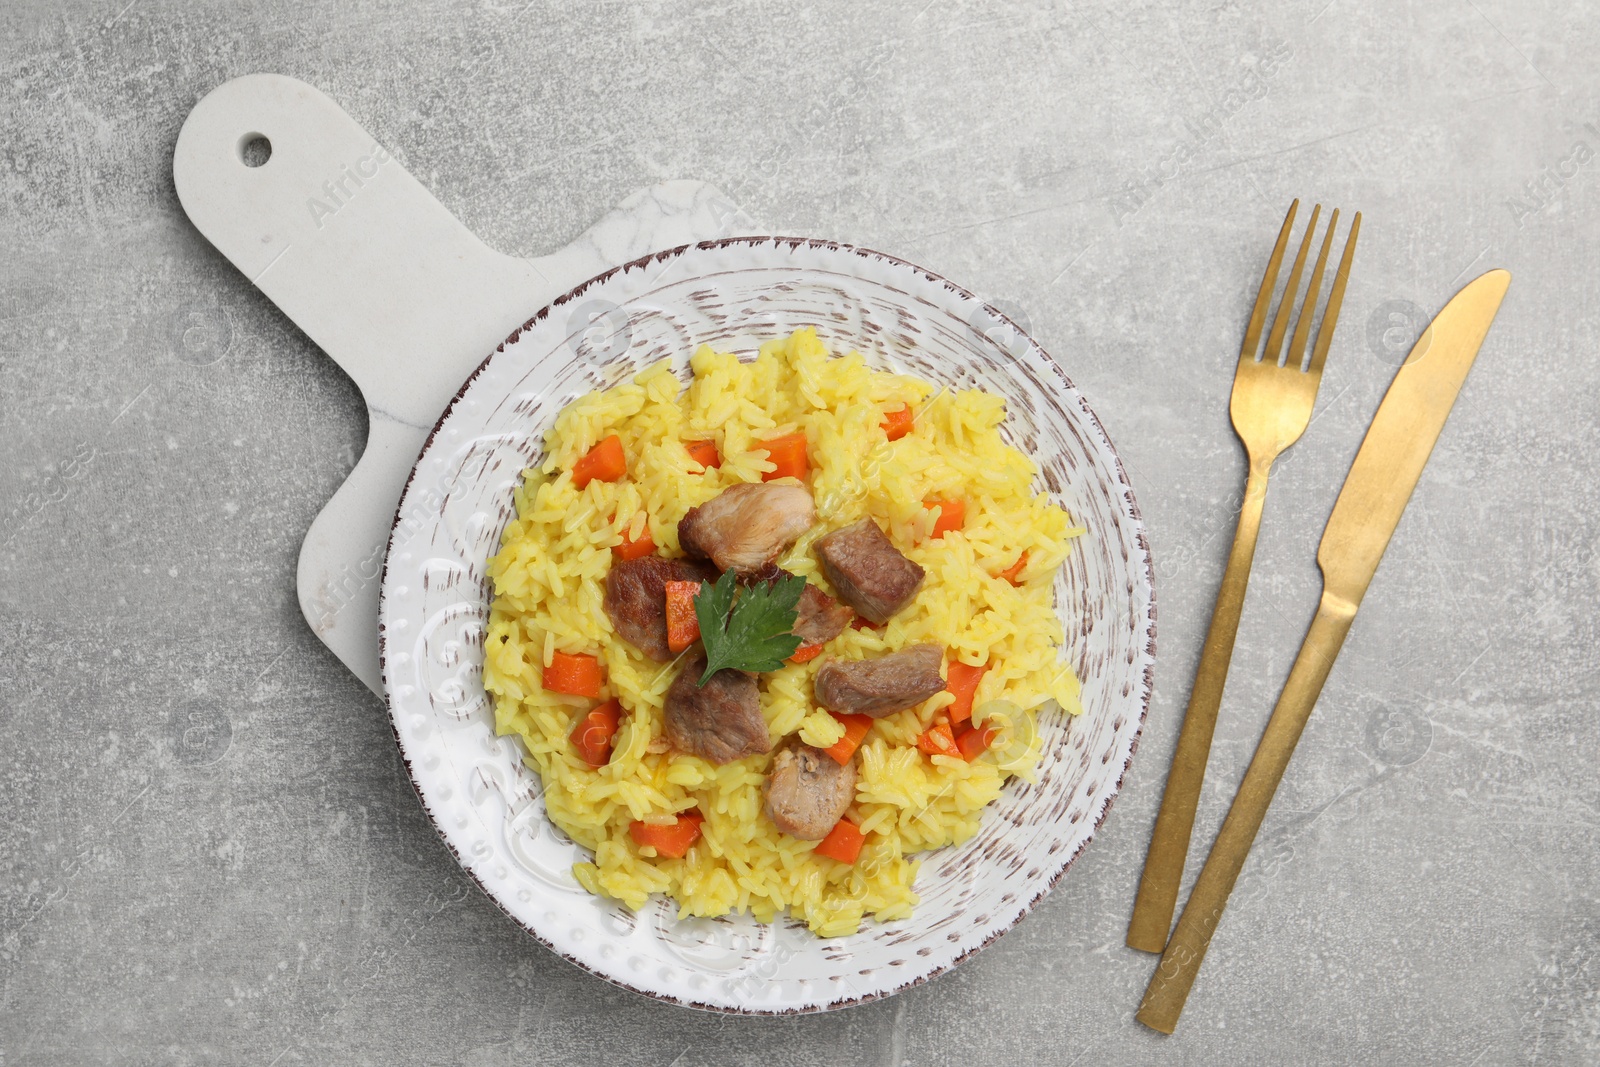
{"points": [[821, 618], [720, 721], [867, 571], [636, 599], [881, 686], [808, 791], [747, 525]]}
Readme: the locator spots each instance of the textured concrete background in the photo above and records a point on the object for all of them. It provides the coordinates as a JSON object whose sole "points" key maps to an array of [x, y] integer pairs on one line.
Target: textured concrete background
{"points": [[211, 853]]}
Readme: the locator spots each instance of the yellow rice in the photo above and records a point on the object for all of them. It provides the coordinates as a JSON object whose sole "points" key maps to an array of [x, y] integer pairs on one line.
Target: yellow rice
{"points": [[549, 580]]}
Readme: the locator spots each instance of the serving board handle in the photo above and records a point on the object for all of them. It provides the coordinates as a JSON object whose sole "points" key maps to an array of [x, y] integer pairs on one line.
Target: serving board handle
{"points": [[335, 231]]}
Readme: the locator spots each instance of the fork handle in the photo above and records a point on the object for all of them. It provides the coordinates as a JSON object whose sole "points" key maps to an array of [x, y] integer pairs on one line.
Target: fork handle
{"points": [[1175, 974], [1169, 843]]}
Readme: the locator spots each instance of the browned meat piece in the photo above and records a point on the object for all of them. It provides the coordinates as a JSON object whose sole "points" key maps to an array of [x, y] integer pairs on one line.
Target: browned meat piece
{"points": [[720, 721], [747, 526], [867, 571], [769, 572], [821, 618], [808, 791], [636, 599], [881, 686], [818, 617]]}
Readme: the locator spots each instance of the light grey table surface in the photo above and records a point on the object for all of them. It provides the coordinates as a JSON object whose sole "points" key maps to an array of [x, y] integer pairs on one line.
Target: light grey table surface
{"points": [[211, 853]]}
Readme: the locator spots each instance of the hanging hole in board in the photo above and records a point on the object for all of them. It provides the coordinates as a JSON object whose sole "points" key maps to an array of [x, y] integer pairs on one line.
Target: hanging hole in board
{"points": [[254, 149]]}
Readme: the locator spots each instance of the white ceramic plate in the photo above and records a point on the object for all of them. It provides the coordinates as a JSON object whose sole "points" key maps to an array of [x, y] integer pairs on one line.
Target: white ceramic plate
{"points": [[735, 294]]}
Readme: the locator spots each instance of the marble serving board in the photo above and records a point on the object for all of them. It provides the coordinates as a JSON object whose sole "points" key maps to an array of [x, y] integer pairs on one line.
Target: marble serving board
{"points": [[336, 232]]}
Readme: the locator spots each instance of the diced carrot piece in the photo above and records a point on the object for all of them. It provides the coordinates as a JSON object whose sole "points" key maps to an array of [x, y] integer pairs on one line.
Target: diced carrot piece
{"points": [[670, 840], [683, 627], [591, 734], [704, 453], [896, 424], [962, 680], [843, 842], [578, 675], [788, 454], [939, 740], [863, 623], [952, 515], [975, 740], [635, 549], [855, 730], [1014, 572], [805, 654], [604, 462]]}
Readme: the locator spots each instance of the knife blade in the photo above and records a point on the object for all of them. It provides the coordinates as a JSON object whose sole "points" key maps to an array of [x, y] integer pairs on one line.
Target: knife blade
{"points": [[1364, 517], [1402, 436]]}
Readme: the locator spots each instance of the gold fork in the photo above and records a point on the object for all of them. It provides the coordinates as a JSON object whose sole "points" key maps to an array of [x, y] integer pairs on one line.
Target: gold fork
{"points": [[1271, 408]]}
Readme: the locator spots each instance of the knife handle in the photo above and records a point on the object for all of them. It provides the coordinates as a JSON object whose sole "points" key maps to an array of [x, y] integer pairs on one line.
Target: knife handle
{"points": [[1169, 842], [1175, 974]]}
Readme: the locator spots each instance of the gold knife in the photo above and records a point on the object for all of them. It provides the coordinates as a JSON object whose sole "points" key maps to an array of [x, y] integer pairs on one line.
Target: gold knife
{"points": [[1364, 517]]}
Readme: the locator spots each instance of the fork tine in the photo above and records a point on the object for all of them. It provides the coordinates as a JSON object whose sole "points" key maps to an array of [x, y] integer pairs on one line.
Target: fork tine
{"points": [[1330, 317], [1308, 309], [1258, 316], [1280, 321]]}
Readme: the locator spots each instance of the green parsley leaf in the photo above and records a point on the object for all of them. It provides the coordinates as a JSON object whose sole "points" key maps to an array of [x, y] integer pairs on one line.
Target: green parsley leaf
{"points": [[748, 630]]}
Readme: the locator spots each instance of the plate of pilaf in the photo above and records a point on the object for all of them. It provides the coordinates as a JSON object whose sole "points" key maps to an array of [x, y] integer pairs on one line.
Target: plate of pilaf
{"points": [[767, 625]]}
